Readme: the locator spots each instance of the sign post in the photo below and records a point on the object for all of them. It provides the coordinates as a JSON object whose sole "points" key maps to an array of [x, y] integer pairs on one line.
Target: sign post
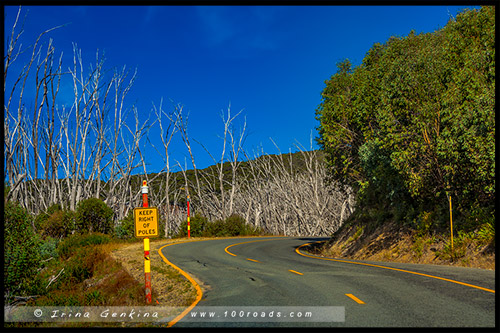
{"points": [[189, 225], [146, 225], [451, 225]]}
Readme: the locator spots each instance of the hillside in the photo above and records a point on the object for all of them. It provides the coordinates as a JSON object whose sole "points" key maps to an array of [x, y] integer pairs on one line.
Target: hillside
{"points": [[292, 162], [286, 194]]}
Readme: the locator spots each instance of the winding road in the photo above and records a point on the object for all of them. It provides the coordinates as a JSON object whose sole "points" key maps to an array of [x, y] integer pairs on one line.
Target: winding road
{"points": [[250, 281]]}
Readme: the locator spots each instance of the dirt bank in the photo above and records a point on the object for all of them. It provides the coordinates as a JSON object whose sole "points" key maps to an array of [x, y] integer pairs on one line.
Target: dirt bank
{"points": [[390, 242]]}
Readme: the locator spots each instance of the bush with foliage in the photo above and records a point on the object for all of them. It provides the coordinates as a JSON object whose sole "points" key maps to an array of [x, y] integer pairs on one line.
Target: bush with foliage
{"points": [[22, 257], [415, 123], [59, 224], [125, 229], [48, 248], [197, 224], [93, 215], [42, 217], [234, 225]]}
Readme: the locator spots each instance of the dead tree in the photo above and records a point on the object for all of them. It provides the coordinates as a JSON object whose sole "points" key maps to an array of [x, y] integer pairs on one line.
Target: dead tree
{"points": [[63, 152], [283, 199]]}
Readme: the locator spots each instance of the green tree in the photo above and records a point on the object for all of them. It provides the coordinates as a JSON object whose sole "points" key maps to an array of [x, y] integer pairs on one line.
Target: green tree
{"points": [[415, 121], [469, 106], [338, 134]]}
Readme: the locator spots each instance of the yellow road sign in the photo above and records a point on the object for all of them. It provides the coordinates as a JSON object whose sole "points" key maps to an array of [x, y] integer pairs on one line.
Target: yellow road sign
{"points": [[146, 222]]}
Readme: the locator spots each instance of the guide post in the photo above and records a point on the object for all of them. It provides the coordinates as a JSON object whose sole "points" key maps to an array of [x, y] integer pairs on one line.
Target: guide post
{"points": [[189, 224], [146, 226]]}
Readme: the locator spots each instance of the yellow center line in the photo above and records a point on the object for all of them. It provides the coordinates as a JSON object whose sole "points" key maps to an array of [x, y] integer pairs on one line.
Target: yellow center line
{"points": [[253, 260], [357, 300], [253, 241], [234, 255], [391, 268], [299, 273]]}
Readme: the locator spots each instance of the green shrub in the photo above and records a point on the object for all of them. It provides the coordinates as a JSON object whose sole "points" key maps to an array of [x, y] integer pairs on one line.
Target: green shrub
{"points": [[478, 216], [41, 218], [125, 229], [59, 224], [425, 222], [460, 244], [215, 229], [197, 224], [486, 233], [235, 225], [48, 248], [93, 215], [54, 208], [22, 257]]}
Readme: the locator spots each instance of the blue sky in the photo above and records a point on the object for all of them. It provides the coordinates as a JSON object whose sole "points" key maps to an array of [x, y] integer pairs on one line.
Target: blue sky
{"points": [[269, 61]]}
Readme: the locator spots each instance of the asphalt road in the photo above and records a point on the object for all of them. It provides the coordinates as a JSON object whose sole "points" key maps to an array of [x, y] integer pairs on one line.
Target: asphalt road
{"points": [[249, 281]]}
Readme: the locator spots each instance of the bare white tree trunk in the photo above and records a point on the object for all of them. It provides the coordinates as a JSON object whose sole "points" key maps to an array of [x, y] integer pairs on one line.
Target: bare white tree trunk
{"points": [[94, 145], [167, 132], [182, 126], [288, 200], [55, 152]]}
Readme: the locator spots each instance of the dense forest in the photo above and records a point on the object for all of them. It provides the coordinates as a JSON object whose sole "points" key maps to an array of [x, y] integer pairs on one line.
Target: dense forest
{"points": [[412, 128]]}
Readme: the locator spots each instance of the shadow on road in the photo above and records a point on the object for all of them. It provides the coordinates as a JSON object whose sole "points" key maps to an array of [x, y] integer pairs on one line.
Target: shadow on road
{"points": [[314, 239]]}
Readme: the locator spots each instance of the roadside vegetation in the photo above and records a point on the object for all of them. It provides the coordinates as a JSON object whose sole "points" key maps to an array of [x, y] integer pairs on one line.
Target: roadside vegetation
{"points": [[393, 242], [80, 258], [61, 256], [234, 225], [50, 261], [411, 131], [56, 260]]}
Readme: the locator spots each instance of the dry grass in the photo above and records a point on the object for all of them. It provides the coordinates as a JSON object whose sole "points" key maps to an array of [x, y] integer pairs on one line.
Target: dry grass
{"points": [[109, 283], [391, 244], [169, 287]]}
